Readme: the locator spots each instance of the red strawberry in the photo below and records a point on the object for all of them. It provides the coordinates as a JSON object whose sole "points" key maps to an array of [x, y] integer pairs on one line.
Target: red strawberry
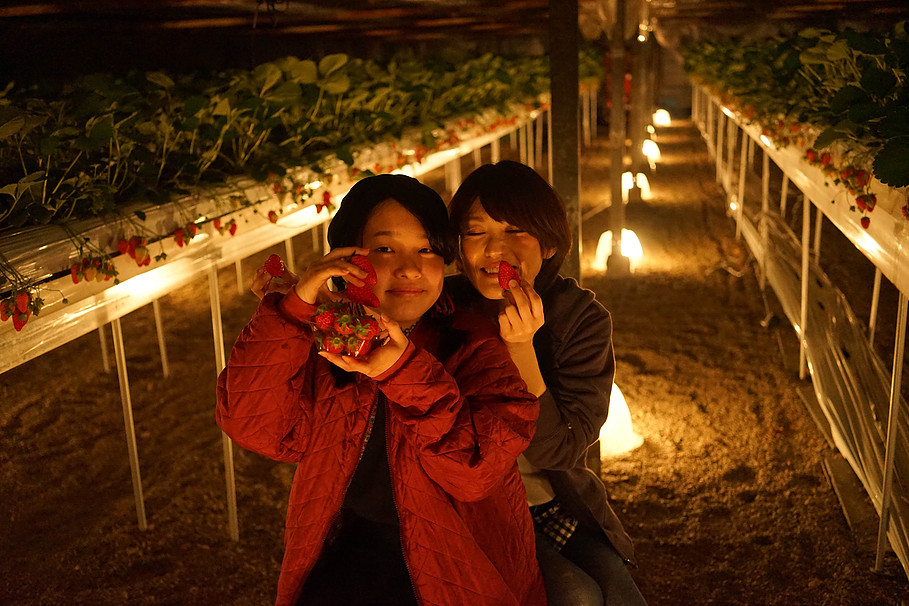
{"points": [[362, 295], [274, 265], [140, 255], [272, 216], [811, 155], [192, 229], [233, 227], [22, 301], [866, 222], [357, 347], [19, 319], [367, 327], [217, 224], [345, 323], [861, 178], [324, 320], [178, 236], [4, 311], [334, 344], [825, 159], [364, 264], [74, 272], [507, 273], [123, 246]]}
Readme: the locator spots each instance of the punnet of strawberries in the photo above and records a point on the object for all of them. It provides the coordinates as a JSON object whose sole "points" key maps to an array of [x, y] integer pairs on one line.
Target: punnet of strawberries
{"points": [[341, 327]]}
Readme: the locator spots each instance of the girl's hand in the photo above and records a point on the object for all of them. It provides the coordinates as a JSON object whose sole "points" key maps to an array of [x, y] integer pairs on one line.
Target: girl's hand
{"points": [[335, 264], [264, 283], [522, 315], [379, 359]]}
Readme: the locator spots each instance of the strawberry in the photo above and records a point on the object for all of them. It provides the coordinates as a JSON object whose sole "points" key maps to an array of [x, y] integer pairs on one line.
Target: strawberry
{"points": [[75, 272], [811, 156], [22, 301], [272, 216], [825, 159], [866, 222], [326, 202], [179, 236], [367, 327], [356, 346], [333, 344], [507, 273], [217, 224], [233, 227], [192, 229], [19, 319], [123, 246], [324, 320], [362, 295], [866, 202], [344, 323], [140, 255], [274, 265], [364, 264], [862, 178], [4, 310]]}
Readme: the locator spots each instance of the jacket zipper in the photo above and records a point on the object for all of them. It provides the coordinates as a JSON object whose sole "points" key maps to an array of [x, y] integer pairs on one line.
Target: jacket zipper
{"points": [[398, 511]]}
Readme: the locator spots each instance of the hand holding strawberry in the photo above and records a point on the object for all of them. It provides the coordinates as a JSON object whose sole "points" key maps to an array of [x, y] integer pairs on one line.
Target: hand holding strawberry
{"points": [[521, 316], [339, 329], [364, 294], [335, 264], [379, 359]]}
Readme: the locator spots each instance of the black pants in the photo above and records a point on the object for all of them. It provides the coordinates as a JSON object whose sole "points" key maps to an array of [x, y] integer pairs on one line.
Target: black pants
{"points": [[363, 566]]}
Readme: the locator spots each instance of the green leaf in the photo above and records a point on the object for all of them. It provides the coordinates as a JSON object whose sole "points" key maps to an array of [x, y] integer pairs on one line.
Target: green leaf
{"points": [[268, 74], [48, 145], [222, 108], [827, 137], [39, 213], [890, 164], [344, 155], [336, 85], [895, 123], [845, 97], [289, 93], [102, 131], [839, 51], [304, 72], [865, 112], [878, 82], [161, 79], [331, 63], [192, 105], [10, 124]]}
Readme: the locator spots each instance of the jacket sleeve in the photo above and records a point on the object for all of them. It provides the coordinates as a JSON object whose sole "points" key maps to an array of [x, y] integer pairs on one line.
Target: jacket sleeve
{"points": [[469, 424], [261, 404], [576, 403]]}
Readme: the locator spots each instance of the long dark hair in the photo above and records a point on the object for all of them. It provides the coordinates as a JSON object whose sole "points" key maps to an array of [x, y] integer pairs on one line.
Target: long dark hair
{"points": [[515, 193], [346, 228]]}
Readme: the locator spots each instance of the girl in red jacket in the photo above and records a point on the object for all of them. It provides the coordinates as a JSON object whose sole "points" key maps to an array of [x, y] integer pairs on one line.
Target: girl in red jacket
{"points": [[407, 489]]}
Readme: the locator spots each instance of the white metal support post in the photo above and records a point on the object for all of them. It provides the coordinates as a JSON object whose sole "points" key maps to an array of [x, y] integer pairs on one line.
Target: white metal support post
{"points": [[538, 139], [477, 157], [513, 139], [740, 198], [226, 444], [895, 400], [522, 144], [162, 345], [289, 254], [528, 140], [105, 354], [818, 223], [585, 118], [765, 208], [120, 355], [875, 301], [803, 316], [238, 265], [495, 150], [784, 194], [719, 147], [593, 112], [731, 134]]}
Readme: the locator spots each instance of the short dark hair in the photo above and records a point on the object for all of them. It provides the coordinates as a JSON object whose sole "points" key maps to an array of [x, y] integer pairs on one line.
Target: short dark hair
{"points": [[346, 228], [515, 193]]}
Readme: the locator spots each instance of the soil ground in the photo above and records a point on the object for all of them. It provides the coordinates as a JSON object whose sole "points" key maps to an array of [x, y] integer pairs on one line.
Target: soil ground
{"points": [[726, 499]]}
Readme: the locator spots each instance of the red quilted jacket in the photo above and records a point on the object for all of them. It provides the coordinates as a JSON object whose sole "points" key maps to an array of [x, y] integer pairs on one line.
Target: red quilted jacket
{"points": [[455, 429]]}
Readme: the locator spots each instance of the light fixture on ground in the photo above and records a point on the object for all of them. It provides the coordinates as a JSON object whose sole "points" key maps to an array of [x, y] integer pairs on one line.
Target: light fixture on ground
{"points": [[661, 117], [631, 248], [617, 435], [642, 182], [652, 151]]}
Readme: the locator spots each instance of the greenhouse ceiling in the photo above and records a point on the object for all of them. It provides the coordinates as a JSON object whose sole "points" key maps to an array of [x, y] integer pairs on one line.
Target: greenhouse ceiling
{"points": [[419, 19]]}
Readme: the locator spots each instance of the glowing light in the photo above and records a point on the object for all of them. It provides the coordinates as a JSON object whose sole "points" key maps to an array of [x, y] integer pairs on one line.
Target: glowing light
{"points": [[642, 38], [651, 150], [733, 205], [315, 184], [650, 129], [617, 435], [641, 180], [631, 248], [661, 117], [765, 141], [726, 111]]}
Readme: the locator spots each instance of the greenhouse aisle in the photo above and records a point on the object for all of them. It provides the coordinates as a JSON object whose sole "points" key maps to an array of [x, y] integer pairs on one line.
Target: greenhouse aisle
{"points": [[726, 498]]}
